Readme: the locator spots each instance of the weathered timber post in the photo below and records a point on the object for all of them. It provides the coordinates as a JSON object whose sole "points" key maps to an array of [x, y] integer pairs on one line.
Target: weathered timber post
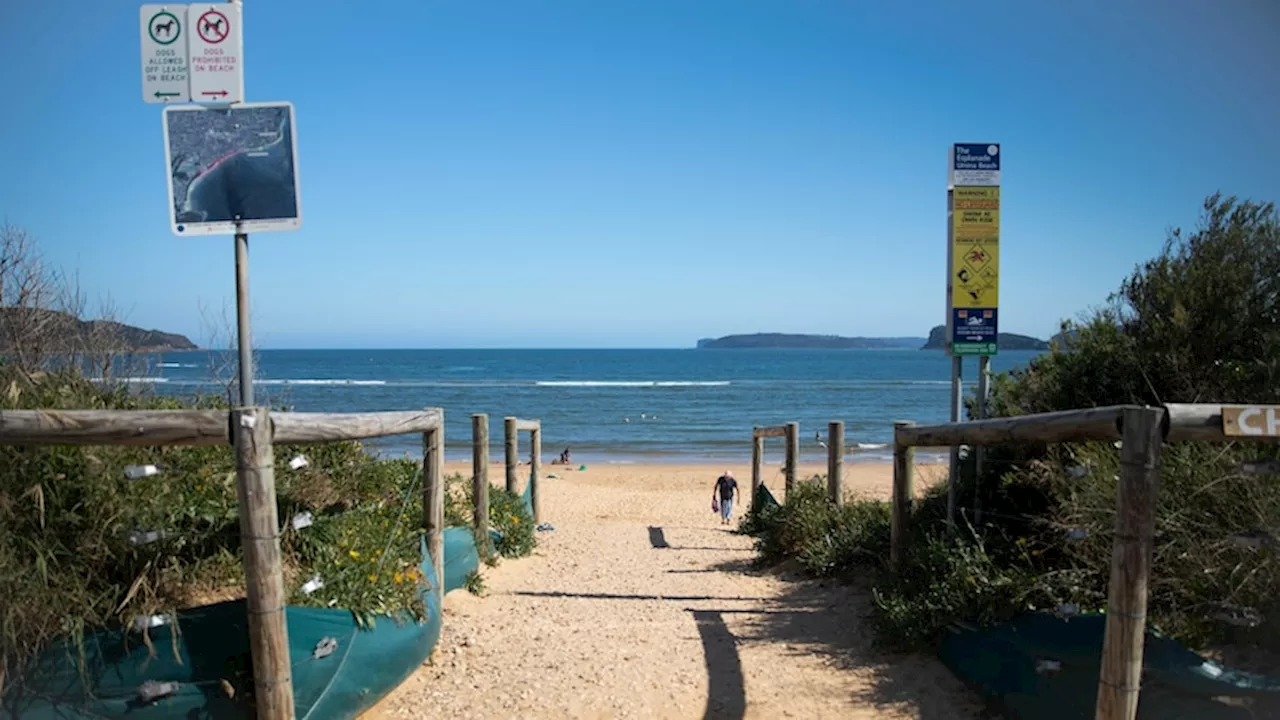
{"points": [[511, 434], [535, 472], [757, 457], [433, 499], [835, 461], [263, 568], [904, 481], [1121, 677], [793, 454], [480, 479]]}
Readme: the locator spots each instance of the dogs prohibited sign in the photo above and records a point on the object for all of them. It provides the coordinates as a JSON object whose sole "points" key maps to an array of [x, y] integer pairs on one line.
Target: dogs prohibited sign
{"points": [[212, 27], [217, 71]]}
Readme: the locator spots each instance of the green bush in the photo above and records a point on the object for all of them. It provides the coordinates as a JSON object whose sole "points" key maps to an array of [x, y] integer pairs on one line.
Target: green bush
{"points": [[75, 534], [1198, 323], [509, 516]]}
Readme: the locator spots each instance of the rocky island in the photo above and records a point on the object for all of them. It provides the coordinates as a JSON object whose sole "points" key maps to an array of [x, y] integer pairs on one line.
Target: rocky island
{"points": [[800, 341], [1005, 341]]}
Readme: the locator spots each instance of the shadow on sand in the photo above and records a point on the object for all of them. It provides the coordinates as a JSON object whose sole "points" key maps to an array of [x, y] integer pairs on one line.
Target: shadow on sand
{"points": [[831, 620]]}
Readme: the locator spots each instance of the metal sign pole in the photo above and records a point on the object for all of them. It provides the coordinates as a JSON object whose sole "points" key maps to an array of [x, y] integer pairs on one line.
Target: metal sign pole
{"points": [[957, 407], [244, 336], [957, 362]]}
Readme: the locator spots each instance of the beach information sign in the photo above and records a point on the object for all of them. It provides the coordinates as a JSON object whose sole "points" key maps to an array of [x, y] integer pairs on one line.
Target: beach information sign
{"points": [[973, 249], [165, 62], [232, 169], [192, 53]]}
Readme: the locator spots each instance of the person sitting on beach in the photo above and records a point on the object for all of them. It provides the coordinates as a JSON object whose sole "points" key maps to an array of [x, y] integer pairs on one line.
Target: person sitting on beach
{"points": [[725, 487], [565, 457]]}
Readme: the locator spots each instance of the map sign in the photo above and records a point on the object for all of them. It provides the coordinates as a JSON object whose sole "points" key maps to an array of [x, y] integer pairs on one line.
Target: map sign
{"points": [[165, 63], [232, 169]]}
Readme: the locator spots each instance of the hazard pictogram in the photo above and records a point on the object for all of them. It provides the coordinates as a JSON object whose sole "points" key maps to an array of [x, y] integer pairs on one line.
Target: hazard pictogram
{"points": [[213, 27]]}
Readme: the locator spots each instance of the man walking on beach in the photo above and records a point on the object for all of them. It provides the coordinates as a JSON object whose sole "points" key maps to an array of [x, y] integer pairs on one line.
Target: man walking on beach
{"points": [[725, 487]]}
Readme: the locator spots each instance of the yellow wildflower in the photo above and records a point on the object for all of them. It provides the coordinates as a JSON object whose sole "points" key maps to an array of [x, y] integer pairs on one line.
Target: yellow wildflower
{"points": [[354, 555], [373, 578], [398, 577]]}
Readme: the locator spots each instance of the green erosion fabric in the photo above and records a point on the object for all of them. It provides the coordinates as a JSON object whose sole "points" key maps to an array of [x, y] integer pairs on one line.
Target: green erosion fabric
{"points": [[212, 644], [1044, 667]]}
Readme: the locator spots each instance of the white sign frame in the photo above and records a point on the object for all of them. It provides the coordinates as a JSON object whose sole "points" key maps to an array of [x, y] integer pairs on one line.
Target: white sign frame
{"points": [[216, 61], [231, 227], [158, 55]]}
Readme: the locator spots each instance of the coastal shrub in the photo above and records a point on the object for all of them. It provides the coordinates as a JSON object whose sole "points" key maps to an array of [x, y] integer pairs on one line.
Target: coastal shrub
{"points": [[509, 516], [77, 535], [825, 539], [1198, 323]]}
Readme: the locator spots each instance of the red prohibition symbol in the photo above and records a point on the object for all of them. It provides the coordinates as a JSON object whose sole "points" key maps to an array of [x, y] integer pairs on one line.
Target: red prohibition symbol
{"points": [[213, 27]]}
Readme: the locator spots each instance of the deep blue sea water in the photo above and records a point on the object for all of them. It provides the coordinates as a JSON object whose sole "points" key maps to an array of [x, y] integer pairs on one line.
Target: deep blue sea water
{"points": [[609, 405]]}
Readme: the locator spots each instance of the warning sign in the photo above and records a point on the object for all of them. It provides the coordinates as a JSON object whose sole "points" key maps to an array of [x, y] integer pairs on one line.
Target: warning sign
{"points": [[975, 251]]}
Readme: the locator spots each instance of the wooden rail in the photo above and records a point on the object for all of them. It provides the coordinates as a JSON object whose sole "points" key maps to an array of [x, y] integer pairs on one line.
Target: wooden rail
{"points": [[789, 431], [1141, 430], [200, 427], [511, 431], [253, 432]]}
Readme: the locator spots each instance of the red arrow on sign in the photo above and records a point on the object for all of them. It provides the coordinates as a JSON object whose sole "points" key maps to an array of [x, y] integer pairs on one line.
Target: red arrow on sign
{"points": [[222, 93]]}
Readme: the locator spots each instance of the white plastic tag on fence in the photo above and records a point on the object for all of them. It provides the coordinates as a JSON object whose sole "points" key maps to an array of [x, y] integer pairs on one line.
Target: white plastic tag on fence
{"points": [[153, 690], [1045, 666], [133, 472], [248, 421], [145, 537], [299, 462], [324, 648], [302, 520], [312, 585], [143, 622]]}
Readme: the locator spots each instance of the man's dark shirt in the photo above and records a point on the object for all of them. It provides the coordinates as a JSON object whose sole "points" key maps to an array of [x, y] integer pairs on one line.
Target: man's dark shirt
{"points": [[726, 486]]}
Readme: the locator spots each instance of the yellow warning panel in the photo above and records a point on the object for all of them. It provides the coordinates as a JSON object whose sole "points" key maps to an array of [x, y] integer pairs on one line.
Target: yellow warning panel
{"points": [[975, 247], [975, 275], [976, 214]]}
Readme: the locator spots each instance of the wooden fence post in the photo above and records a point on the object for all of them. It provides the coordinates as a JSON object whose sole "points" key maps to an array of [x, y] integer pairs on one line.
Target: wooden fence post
{"points": [[512, 448], [1120, 680], [480, 479], [904, 482], [263, 569], [433, 499], [757, 457], [793, 454], [835, 461], [535, 470]]}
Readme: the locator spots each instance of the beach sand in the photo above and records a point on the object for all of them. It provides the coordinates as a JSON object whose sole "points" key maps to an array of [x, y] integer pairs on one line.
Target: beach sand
{"points": [[641, 605]]}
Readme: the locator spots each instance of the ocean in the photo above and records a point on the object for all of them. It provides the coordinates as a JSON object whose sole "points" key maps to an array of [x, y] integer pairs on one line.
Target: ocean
{"points": [[612, 406]]}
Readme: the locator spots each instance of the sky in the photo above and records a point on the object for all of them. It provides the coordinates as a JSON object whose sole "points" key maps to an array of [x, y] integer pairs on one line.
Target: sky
{"points": [[644, 173]]}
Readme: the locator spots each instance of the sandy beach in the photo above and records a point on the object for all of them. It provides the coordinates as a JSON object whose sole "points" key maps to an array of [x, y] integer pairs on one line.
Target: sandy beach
{"points": [[641, 605]]}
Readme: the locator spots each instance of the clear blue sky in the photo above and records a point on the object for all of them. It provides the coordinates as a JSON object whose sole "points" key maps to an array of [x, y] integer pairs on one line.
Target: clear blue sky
{"points": [[644, 173]]}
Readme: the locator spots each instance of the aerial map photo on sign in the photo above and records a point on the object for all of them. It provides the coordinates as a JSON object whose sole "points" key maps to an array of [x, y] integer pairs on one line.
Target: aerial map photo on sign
{"points": [[232, 164]]}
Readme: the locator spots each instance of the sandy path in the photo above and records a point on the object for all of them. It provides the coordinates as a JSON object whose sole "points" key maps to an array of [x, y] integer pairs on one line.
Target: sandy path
{"points": [[641, 605]]}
